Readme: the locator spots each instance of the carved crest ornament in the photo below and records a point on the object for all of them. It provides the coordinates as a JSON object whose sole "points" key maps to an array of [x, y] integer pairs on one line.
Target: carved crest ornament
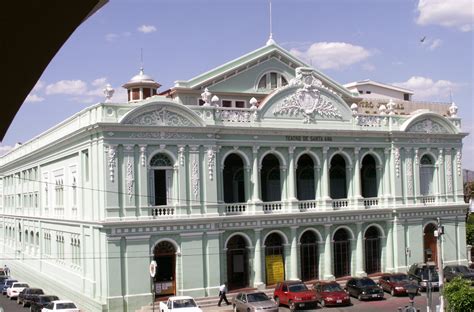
{"points": [[307, 100], [427, 126], [161, 117]]}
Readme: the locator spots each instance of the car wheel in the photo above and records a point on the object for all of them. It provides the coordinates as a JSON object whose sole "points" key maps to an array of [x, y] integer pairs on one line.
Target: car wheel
{"points": [[291, 305], [18, 300], [392, 292], [322, 303], [277, 300]]}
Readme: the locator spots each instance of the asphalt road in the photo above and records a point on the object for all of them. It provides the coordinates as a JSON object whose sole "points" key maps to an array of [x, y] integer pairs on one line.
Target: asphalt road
{"points": [[10, 305]]}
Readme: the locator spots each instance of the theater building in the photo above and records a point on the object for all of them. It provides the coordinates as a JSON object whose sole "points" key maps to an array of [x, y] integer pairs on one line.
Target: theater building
{"points": [[259, 170]]}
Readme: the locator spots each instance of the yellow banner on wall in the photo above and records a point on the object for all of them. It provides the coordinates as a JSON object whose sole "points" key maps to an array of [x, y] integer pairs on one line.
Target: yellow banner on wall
{"points": [[275, 269]]}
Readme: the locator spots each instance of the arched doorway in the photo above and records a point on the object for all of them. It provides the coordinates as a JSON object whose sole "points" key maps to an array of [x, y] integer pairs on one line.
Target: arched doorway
{"points": [[237, 263], [305, 178], [368, 176], [270, 178], [165, 279], [234, 186], [342, 253], [274, 262], [427, 168], [162, 173], [337, 177], [430, 250], [309, 256], [373, 251]]}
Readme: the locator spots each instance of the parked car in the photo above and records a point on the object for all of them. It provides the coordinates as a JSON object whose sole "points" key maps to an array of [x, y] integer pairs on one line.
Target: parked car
{"points": [[61, 305], [39, 302], [363, 288], [295, 295], [452, 271], [26, 295], [177, 303], [252, 301], [3, 278], [396, 283], [15, 289], [7, 284], [423, 273], [330, 294]]}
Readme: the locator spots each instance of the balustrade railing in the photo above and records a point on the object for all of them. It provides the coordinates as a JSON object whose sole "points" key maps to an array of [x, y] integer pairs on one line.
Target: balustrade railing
{"points": [[270, 207], [370, 202], [339, 203], [428, 199], [162, 211], [307, 205], [236, 208]]}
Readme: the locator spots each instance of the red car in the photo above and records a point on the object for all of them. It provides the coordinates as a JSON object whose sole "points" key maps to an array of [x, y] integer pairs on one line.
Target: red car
{"points": [[331, 294], [395, 283], [295, 295]]}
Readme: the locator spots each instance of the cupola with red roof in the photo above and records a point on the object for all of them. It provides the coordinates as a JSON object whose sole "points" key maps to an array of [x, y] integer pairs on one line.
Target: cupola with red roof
{"points": [[140, 87]]}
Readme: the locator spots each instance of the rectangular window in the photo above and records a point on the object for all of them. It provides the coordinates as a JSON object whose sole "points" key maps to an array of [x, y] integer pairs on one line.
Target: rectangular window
{"points": [[146, 93], [201, 102], [240, 104], [406, 97], [262, 84], [85, 165], [368, 92], [226, 103], [273, 80], [135, 94]]}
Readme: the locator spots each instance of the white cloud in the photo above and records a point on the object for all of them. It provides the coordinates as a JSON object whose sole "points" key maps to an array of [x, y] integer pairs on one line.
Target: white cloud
{"points": [[427, 89], [368, 67], [332, 55], [453, 13], [38, 86], [99, 82], [146, 29], [111, 37], [33, 98], [432, 44], [71, 87], [5, 149]]}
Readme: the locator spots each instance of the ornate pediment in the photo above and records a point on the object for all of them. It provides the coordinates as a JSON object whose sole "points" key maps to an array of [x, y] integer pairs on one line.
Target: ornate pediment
{"points": [[307, 101], [161, 117], [427, 126]]}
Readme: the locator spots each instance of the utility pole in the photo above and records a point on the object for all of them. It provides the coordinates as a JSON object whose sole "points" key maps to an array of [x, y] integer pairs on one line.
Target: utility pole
{"points": [[439, 233]]}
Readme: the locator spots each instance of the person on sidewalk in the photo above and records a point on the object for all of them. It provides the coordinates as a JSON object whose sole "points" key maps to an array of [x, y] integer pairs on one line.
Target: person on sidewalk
{"points": [[222, 292], [6, 269]]}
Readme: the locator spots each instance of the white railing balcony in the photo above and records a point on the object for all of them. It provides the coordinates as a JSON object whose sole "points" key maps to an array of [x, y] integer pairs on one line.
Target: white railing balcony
{"points": [[307, 205], [272, 207], [428, 199], [340, 203], [163, 211], [236, 208], [370, 202]]}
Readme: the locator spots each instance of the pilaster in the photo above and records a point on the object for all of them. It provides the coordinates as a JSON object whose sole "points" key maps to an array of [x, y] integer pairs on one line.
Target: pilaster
{"points": [[359, 251], [294, 254], [257, 261], [328, 274]]}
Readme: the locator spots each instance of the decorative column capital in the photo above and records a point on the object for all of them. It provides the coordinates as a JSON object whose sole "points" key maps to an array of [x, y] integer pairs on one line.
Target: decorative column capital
{"points": [[194, 148], [291, 149], [128, 148], [255, 149], [325, 149], [356, 150]]}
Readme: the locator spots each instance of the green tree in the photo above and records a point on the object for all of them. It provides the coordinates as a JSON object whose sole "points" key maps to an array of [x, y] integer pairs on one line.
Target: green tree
{"points": [[459, 295], [470, 230]]}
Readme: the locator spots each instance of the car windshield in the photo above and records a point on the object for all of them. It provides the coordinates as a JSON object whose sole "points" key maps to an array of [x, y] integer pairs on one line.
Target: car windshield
{"points": [[49, 298], [399, 278], [37, 291], [21, 285], [332, 287], [184, 303], [425, 274], [366, 282], [65, 305], [298, 288], [256, 297]]}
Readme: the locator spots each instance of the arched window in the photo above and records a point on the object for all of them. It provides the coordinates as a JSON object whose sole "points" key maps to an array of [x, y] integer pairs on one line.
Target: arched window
{"points": [[305, 178], [337, 177], [368, 176], [426, 175], [270, 177], [271, 80], [234, 187], [162, 175]]}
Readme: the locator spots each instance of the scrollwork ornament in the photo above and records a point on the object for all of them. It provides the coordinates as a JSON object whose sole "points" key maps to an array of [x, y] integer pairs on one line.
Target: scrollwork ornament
{"points": [[458, 162], [440, 158], [211, 161], [195, 177], [409, 176], [181, 155], [111, 154], [396, 155], [416, 157], [449, 174], [130, 179], [143, 155]]}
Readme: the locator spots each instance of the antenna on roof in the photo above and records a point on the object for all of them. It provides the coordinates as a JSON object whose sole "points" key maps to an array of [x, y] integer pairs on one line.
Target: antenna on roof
{"points": [[141, 58], [270, 39], [450, 95]]}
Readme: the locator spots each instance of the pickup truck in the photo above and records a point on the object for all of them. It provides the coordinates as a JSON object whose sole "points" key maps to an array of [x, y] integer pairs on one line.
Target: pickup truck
{"points": [[179, 304]]}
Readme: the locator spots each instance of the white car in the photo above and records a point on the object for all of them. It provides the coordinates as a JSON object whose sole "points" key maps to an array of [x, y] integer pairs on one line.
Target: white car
{"points": [[15, 289], [61, 305], [179, 304]]}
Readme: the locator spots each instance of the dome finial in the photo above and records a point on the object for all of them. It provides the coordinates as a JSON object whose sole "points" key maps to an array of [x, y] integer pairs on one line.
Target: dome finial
{"points": [[270, 38]]}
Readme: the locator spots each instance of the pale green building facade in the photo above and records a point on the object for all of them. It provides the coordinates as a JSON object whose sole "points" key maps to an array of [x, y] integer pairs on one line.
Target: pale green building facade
{"points": [[258, 170]]}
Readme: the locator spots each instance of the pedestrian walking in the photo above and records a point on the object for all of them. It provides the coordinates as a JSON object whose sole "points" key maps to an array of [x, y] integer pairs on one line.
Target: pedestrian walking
{"points": [[6, 269], [222, 292]]}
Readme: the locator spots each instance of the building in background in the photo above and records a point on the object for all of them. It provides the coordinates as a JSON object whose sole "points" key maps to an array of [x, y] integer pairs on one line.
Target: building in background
{"points": [[259, 170]]}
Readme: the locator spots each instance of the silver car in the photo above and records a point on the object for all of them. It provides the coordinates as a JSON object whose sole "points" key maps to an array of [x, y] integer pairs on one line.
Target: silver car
{"points": [[253, 301]]}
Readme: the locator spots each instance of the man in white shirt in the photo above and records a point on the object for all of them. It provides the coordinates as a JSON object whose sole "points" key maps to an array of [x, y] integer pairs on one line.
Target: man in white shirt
{"points": [[222, 292]]}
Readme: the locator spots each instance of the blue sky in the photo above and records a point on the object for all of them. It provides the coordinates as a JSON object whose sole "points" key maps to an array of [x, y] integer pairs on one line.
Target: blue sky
{"points": [[346, 39]]}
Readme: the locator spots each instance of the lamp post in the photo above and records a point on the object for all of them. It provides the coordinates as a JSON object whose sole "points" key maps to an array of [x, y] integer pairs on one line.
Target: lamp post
{"points": [[438, 234]]}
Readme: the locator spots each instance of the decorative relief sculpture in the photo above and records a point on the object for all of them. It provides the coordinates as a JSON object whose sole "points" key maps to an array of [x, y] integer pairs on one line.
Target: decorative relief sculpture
{"points": [[458, 162], [111, 153], [161, 117], [211, 161], [370, 121], [195, 178], [161, 135], [181, 155], [396, 155], [231, 115], [307, 99], [449, 174], [205, 97], [409, 177], [129, 179], [416, 157], [143, 155], [440, 157], [453, 110], [427, 126]]}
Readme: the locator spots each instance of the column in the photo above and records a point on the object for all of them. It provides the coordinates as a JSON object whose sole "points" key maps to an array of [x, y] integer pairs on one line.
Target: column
{"points": [[194, 195], [386, 173], [359, 251], [440, 190], [356, 176], [256, 198], [389, 247], [317, 180], [416, 177], [328, 275], [283, 183], [257, 261], [325, 174], [294, 254], [247, 175], [142, 182], [291, 175], [129, 181]]}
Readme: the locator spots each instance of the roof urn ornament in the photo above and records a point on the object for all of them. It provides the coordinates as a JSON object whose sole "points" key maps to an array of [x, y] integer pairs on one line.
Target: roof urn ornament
{"points": [[206, 96], [253, 103], [354, 109], [108, 92], [382, 109], [215, 101], [391, 107], [453, 110]]}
